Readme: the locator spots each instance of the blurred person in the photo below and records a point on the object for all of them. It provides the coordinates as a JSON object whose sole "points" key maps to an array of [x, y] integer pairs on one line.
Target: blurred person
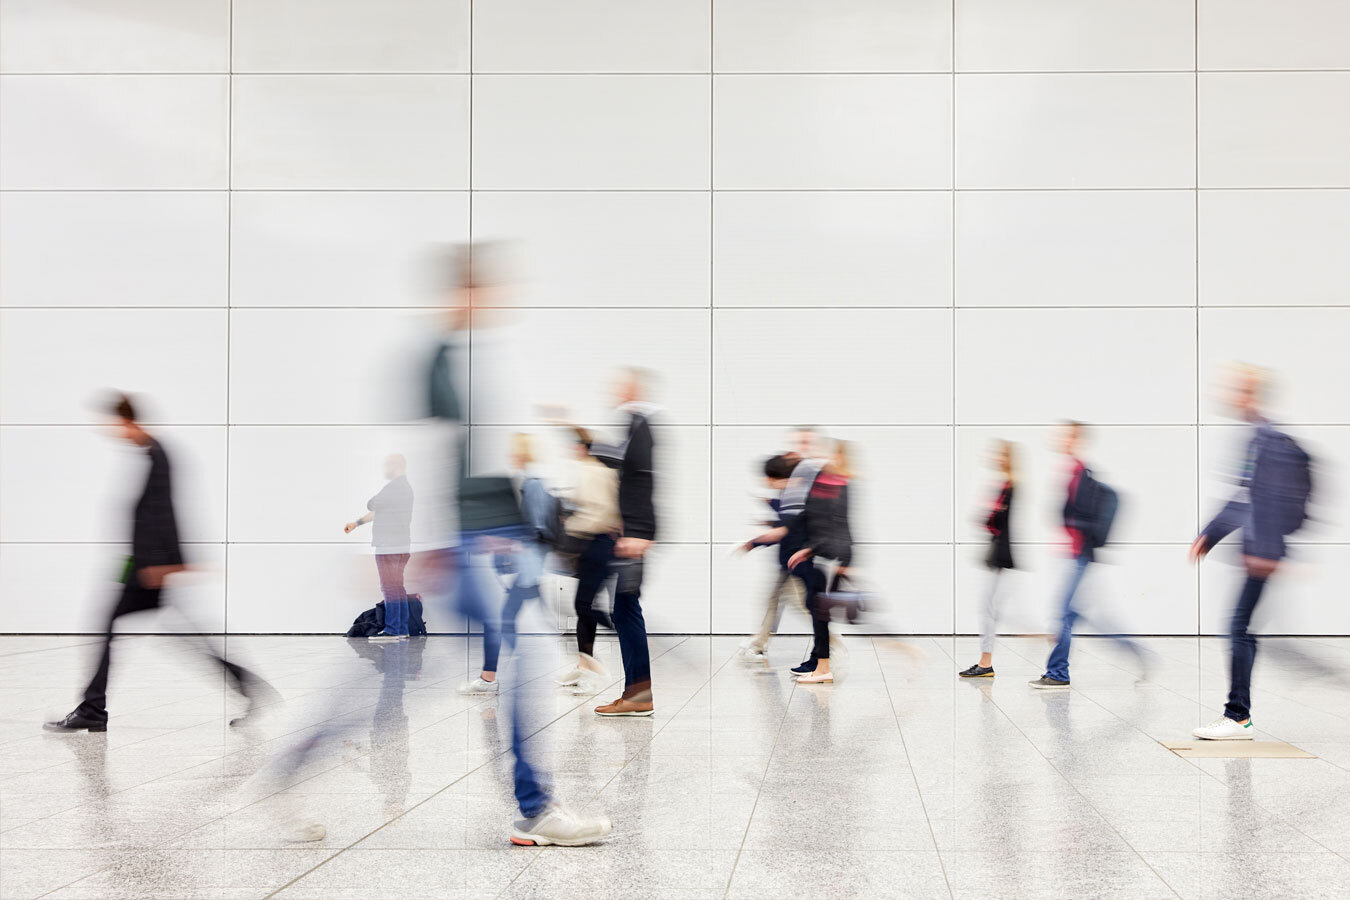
{"points": [[777, 471], [1273, 489], [391, 511], [1089, 510], [826, 535], [155, 556], [998, 522], [491, 526], [634, 460], [596, 523], [537, 508]]}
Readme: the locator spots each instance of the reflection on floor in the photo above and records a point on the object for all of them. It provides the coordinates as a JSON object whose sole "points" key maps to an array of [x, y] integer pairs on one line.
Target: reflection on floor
{"points": [[898, 781]]}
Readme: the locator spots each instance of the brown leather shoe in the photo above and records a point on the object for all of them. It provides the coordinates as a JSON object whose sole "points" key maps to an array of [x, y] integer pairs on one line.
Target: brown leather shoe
{"points": [[622, 707]]}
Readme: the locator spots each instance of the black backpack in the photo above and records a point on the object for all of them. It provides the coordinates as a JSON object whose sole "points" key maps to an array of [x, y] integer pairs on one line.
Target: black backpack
{"points": [[1283, 485], [1103, 502], [371, 622]]}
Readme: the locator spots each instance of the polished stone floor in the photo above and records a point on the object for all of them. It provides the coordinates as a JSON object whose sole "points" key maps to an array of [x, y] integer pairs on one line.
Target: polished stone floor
{"points": [[898, 781]]}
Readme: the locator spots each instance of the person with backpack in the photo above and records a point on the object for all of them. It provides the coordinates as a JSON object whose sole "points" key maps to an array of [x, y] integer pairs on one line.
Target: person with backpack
{"points": [[1089, 511], [1271, 502]]}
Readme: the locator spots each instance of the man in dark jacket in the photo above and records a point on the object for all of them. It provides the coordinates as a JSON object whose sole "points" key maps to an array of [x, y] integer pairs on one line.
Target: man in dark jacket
{"points": [[1273, 487], [634, 460], [155, 554]]}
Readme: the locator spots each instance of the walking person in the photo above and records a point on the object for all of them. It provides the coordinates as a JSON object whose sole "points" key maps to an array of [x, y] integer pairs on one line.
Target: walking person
{"points": [[391, 511], [998, 522], [596, 523], [1274, 486], [634, 459], [155, 556], [824, 525], [777, 471]]}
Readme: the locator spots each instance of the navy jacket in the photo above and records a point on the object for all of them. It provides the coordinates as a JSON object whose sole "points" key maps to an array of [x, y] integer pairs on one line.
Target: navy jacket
{"points": [[635, 460], [1269, 502]]}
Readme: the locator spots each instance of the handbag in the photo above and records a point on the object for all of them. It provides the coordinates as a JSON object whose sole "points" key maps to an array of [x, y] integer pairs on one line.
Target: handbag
{"points": [[852, 603]]}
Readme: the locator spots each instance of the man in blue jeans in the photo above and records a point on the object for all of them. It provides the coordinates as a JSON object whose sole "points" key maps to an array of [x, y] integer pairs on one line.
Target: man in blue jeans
{"points": [[1273, 489], [391, 511]]}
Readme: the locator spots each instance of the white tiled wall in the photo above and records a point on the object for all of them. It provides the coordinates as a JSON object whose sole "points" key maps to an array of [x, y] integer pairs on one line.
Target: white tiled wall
{"points": [[920, 226]]}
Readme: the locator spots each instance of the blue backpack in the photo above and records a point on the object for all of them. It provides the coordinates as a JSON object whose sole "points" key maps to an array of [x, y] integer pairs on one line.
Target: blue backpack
{"points": [[1281, 486], [1104, 502]]}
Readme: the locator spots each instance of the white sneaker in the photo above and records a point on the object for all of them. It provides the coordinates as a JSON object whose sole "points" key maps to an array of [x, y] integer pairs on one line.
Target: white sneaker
{"points": [[559, 826], [1224, 729], [572, 678], [591, 664], [478, 686], [303, 834], [386, 638], [754, 654]]}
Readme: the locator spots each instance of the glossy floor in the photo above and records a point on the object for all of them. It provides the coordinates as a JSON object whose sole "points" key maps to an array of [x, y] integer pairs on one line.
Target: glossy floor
{"points": [[898, 781]]}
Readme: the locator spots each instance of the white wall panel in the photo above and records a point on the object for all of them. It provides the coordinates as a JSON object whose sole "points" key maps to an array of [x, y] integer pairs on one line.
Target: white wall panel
{"points": [[54, 363], [1299, 599], [590, 36], [372, 132], [571, 357], [1152, 469], [1075, 131], [287, 588], [341, 248], [630, 132], [1254, 34], [901, 493], [161, 248], [832, 131], [1304, 347], [350, 36], [128, 36], [70, 588], [898, 370], [1075, 248], [1274, 129], [77, 483], [1115, 366], [842, 36], [143, 131], [838, 248], [1065, 35], [602, 248]]}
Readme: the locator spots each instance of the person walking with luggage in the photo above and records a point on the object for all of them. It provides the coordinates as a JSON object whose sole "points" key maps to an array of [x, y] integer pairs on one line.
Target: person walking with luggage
{"points": [[998, 522], [634, 460], [391, 511], [155, 556], [1274, 486]]}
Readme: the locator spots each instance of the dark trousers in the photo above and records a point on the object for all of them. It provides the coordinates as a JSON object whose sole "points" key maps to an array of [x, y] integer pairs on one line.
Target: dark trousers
{"points": [[135, 598], [391, 566], [1239, 703], [631, 627], [813, 580], [592, 571]]}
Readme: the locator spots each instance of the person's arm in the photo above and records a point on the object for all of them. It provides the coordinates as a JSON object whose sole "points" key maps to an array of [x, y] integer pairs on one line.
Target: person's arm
{"points": [[767, 539], [358, 522]]}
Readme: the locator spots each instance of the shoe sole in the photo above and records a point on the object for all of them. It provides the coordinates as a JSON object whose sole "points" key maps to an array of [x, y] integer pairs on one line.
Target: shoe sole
{"points": [[529, 840], [981, 675], [1237, 737], [93, 729], [1049, 687], [809, 683], [619, 715]]}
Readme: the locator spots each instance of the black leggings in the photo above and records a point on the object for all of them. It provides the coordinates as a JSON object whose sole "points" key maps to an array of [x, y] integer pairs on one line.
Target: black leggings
{"points": [[813, 579], [592, 572]]}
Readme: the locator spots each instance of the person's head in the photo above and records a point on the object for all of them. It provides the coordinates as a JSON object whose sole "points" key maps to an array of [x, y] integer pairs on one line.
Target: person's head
{"points": [[1247, 389], [466, 276], [395, 465], [581, 442], [1003, 458], [778, 469], [840, 459], [803, 441], [631, 384], [122, 412], [521, 452], [1071, 437]]}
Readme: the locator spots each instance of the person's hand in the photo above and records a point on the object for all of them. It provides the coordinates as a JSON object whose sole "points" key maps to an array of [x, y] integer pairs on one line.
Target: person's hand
{"points": [[799, 557], [349, 528], [1259, 567], [631, 548], [842, 572], [746, 547], [153, 576], [1199, 547]]}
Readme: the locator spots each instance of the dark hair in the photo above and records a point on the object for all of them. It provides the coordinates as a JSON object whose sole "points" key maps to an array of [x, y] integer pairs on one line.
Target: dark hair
{"points": [[581, 436], [780, 466], [120, 405], [1079, 428]]}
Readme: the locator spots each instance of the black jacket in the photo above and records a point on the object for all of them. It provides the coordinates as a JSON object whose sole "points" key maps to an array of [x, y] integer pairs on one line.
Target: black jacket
{"points": [[154, 532], [824, 521], [999, 525], [635, 460]]}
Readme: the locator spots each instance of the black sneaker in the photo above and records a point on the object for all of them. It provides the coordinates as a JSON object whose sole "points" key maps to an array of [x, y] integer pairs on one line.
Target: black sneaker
{"points": [[1045, 682], [978, 671], [807, 666]]}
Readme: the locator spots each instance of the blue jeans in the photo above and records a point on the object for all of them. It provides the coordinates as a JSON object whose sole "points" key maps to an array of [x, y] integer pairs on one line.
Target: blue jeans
{"points": [[1239, 706], [631, 626], [473, 588], [529, 563], [1057, 667], [390, 567]]}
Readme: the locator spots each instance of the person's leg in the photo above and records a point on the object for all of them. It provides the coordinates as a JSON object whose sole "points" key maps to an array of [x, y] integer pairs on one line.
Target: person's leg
{"points": [[632, 630], [813, 580], [592, 571], [989, 620], [1239, 703], [134, 598], [773, 612], [390, 568], [1057, 666]]}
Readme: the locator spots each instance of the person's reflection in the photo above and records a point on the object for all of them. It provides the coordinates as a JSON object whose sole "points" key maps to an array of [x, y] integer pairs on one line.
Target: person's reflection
{"points": [[398, 662]]}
